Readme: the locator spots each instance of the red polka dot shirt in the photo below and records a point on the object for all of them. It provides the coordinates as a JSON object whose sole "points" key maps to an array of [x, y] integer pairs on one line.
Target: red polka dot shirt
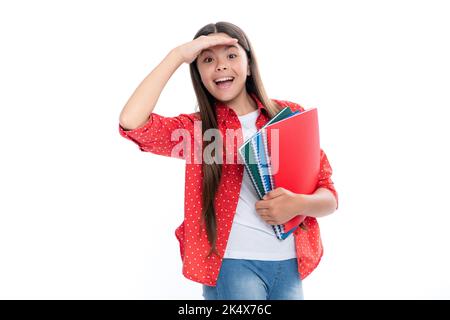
{"points": [[155, 137]]}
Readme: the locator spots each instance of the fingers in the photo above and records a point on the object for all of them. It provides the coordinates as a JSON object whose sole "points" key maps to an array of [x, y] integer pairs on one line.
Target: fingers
{"points": [[262, 204], [271, 221], [267, 216], [221, 38], [217, 40], [211, 41], [264, 214]]}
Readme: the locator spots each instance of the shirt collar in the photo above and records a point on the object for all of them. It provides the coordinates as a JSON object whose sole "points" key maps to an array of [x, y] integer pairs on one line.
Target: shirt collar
{"points": [[223, 109]]}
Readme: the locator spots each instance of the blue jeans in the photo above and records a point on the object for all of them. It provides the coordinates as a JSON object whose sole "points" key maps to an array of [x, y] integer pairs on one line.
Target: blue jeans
{"points": [[241, 279]]}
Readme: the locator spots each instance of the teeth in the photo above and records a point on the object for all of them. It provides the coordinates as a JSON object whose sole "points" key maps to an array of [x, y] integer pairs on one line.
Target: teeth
{"points": [[223, 79]]}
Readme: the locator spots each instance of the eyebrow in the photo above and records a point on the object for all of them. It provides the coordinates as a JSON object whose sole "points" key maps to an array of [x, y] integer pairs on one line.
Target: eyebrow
{"points": [[224, 49]]}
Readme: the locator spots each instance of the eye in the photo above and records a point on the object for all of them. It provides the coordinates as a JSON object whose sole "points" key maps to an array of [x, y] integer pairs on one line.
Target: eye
{"points": [[231, 54]]}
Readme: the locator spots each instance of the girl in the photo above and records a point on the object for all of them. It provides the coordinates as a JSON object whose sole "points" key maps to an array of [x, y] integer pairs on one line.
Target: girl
{"points": [[226, 240]]}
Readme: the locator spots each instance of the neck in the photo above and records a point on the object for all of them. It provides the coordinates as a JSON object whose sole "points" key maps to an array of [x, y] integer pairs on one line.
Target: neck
{"points": [[242, 104]]}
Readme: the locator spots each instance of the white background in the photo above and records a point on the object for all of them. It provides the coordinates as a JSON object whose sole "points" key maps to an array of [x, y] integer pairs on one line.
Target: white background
{"points": [[86, 215]]}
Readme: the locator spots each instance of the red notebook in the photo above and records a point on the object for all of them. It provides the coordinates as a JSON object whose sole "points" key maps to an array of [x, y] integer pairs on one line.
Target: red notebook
{"points": [[295, 159]]}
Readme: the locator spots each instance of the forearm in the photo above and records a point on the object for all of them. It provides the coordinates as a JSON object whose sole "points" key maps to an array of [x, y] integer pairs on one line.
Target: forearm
{"points": [[142, 102], [319, 204]]}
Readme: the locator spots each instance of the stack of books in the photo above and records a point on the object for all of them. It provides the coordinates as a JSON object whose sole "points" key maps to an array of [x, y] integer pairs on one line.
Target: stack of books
{"points": [[285, 153]]}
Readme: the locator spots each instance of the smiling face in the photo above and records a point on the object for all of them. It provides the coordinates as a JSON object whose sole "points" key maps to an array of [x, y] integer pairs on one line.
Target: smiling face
{"points": [[220, 63]]}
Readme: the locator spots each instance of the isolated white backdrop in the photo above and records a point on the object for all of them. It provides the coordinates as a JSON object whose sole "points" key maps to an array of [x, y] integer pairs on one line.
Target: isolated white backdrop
{"points": [[86, 215]]}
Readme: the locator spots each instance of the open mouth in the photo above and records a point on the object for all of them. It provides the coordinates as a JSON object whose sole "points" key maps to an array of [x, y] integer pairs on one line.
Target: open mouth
{"points": [[224, 83]]}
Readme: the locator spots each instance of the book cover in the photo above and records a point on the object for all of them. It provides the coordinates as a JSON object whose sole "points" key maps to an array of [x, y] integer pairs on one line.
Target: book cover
{"points": [[293, 146]]}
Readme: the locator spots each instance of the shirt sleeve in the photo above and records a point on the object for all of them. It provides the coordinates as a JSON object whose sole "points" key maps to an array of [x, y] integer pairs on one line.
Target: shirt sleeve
{"points": [[325, 176], [155, 135]]}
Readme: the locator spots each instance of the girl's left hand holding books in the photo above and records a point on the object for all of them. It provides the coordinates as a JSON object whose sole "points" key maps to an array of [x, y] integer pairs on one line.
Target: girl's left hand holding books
{"points": [[280, 205]]}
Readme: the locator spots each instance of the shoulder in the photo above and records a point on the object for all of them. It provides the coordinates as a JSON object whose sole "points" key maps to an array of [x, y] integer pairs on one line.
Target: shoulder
{"points": [[193, 116], [196, 115], [188, 117], [286, 103]]}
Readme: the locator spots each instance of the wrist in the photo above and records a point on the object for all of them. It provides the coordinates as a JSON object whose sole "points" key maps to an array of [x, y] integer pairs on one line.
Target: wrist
{"points": [[302, 203], [318, 204], [176, 55]]}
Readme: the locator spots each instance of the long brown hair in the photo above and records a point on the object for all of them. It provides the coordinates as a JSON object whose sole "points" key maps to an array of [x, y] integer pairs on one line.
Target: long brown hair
{"points": [[212, 173]]}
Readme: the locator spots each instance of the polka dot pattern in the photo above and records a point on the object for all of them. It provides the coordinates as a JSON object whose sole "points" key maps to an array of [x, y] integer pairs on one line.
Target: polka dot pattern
{"points": [[155, 137]]}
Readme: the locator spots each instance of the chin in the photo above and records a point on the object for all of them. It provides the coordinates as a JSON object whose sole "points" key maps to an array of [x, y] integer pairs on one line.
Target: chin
{"points": [[224, 97], [227, 96]]}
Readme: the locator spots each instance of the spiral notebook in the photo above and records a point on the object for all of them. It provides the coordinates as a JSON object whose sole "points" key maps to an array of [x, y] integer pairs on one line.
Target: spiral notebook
{"points": [[250, 157], [254, 153]]}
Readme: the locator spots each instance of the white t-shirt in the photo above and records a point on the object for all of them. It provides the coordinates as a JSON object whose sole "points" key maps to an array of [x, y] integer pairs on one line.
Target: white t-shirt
{"points": [[251, 237]]}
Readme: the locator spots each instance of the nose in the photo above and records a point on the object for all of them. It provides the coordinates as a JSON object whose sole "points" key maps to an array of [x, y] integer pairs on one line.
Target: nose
{"points": [[221, 64]]}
